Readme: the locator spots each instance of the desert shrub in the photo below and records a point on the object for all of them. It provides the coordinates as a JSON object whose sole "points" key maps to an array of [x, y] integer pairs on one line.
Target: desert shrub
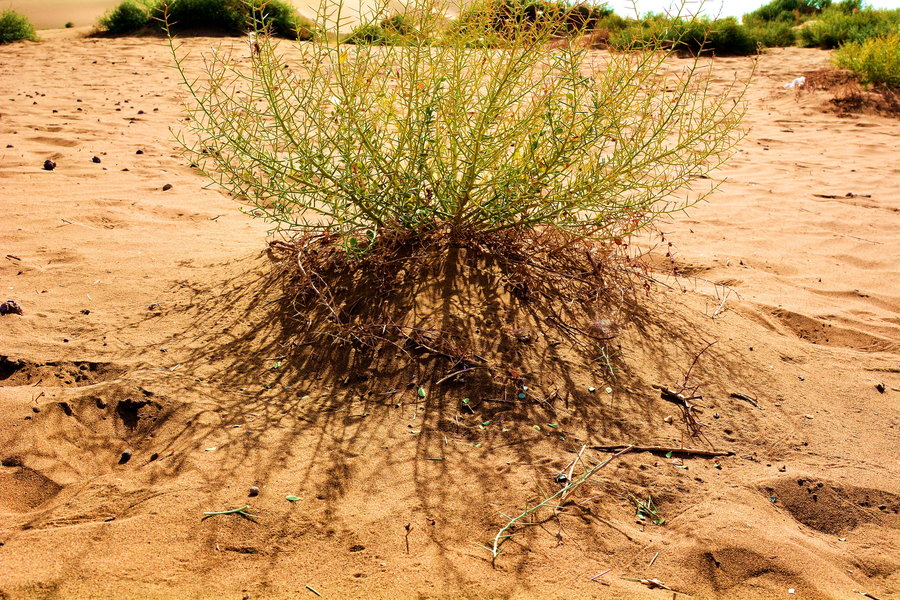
{"points": [[791, 12], [363, 144], [15, 28], [127, 17], [392, 30], [369, 33], [875, 60], [506, 17], [69, 25], [234, 16], [772, 34], [836, 26], [692, 36], [612, 22], [229, 16]]}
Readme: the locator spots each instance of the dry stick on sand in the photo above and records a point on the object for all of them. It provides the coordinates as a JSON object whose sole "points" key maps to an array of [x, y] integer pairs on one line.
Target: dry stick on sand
{"points": [[673, 450], [688, 409], [234, 511], [650, 583], [745, 398], [514, 521]]}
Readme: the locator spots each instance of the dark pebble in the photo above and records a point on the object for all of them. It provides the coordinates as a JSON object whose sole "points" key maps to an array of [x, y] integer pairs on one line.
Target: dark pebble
{"points": [[139, 152], [126, 456], [254, 492], [167, 187], [49, 165], [10, 307], [880, 387], [96, 159], [85, 311]]}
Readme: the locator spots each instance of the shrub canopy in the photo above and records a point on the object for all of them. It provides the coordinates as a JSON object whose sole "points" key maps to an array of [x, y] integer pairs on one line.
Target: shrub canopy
{"points": [[355, 142], [233, 17], [876, 60], [15, 28]]}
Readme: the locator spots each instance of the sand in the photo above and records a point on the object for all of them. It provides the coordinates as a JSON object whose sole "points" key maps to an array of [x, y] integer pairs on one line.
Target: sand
{"points": [[146, 384]]}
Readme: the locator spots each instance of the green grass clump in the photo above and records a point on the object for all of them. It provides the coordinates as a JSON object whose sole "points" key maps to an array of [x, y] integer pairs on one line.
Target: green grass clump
{"points": [[505, 18], [723, 37], [772, 34], [15, 28], [836, 26], [792, 12], [394, 30], [128, 17], [875, 60], [232, 17]]}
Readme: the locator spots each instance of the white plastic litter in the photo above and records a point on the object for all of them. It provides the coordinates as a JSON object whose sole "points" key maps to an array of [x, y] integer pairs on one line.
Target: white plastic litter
{"points": [[797, 83]]}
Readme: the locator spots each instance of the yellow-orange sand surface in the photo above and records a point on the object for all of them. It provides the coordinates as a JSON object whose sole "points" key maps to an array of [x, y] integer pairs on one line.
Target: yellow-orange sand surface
{"points": [[149, 326]]}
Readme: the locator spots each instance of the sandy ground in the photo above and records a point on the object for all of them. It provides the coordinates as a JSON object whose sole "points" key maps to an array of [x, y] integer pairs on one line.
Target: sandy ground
{"points": [[147, 328]]}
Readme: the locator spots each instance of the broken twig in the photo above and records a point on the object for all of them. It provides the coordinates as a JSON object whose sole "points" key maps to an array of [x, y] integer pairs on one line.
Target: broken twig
{"points": [[746, 398], [663, 449], [650, 583]]}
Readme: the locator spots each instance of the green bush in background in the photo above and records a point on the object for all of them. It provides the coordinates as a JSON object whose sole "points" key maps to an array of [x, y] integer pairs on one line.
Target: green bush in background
{"points": [[773, 34], [693, 36], [842, 24], [876, 60], [127, 17], [397, 29], [229, 16], [15, 28], [507, 17], [791, 12]]}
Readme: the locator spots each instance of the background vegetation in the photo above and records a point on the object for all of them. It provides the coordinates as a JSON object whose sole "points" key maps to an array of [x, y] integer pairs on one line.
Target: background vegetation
{"points": [[493, 23], [875, 60], [15, 28], [227, 16]]}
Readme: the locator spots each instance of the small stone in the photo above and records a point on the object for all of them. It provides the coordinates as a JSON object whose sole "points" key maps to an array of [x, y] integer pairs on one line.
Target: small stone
{"points": [[96, 160], [139, 152], [880, 387], [167, 187], [49, 165], [85, 311], [10, 307], [126, 456], [254, 492]]}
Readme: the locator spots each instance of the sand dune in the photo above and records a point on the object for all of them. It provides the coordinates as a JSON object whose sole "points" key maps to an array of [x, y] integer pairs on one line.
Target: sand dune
{"points": [[149, 327]]}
